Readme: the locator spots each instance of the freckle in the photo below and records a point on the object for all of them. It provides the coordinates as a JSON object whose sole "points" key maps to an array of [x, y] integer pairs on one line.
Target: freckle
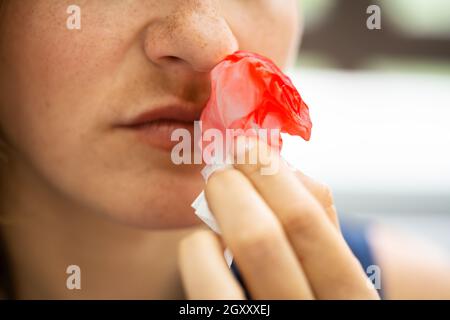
{"points": [[171, 25]]}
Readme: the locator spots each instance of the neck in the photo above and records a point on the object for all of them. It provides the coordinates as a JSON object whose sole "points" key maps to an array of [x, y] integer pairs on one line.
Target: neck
{"points": [[44, 234]]}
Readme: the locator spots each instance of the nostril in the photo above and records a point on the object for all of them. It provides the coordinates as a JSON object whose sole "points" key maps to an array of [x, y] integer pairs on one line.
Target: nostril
{"points": [[172, 59]]}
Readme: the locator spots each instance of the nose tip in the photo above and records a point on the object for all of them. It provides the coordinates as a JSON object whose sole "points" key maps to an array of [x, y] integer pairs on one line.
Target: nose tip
{"points": [[197, 40]]}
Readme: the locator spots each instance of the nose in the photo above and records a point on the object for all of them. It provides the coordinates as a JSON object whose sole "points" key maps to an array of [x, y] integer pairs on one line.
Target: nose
{"points": [[196, 37]]}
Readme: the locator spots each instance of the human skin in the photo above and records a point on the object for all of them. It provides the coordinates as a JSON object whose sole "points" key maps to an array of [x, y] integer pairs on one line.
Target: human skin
{"points": [[73, 184], [76, 189], [63, 91]]}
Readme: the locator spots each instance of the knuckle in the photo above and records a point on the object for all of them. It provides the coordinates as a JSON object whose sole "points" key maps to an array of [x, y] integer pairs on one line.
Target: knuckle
{"points": [[259, 239], [321, 191], [250, 168], [327, 196], [298, 218], [256, 159]]}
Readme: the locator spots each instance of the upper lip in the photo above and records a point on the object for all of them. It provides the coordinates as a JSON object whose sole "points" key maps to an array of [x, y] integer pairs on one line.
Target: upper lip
{"points": [[173, 112]]}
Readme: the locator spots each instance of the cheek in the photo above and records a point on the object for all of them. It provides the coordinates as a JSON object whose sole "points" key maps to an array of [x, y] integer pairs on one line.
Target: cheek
{"points": [[49, 93], [53, 79], [57, 91], [39, 75]]}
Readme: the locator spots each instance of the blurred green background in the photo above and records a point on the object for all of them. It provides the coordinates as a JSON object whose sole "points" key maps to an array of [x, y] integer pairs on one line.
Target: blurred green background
{"points": [[415, 35]]}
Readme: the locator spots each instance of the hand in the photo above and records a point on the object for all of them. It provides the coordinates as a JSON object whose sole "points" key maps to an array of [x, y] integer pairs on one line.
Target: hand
{"points": [[283, 232]]}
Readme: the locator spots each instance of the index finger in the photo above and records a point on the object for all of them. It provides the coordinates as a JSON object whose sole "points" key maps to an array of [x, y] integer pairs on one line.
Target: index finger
{"points": [[328, 262]]}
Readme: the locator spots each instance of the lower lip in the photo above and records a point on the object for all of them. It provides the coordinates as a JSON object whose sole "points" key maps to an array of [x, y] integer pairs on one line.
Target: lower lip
{"points": [[158, 133]]}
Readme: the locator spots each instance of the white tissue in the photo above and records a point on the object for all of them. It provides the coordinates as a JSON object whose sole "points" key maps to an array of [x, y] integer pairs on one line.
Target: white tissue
{"points": [[202, 210], [201, 207]]}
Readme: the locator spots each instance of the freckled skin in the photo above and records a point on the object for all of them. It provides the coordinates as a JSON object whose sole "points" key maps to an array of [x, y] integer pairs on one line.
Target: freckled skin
{"points": [[62, 91]]}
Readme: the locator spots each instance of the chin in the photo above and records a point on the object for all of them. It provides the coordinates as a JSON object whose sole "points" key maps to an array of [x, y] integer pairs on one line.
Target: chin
{"points": [[165, 203]]}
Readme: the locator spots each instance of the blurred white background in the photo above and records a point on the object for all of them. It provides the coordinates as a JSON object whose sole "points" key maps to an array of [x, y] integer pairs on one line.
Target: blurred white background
{"points": [[381, 131]]}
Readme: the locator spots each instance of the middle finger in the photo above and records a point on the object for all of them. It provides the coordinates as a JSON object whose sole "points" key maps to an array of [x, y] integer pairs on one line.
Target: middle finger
{"points": [[265, 258]]}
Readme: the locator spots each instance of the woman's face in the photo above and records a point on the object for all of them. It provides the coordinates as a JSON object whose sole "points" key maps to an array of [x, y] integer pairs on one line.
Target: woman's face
{"points": [[68, 97]]}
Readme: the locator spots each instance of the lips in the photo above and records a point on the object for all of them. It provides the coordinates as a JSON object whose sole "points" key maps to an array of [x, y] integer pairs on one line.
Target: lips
{"points": [[155, 126], [171, 113]]}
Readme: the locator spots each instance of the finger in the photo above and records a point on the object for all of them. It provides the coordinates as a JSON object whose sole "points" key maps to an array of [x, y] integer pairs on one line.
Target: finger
{"points": [[204, 272], [322, 194], [329, 264], [262, 252]]}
